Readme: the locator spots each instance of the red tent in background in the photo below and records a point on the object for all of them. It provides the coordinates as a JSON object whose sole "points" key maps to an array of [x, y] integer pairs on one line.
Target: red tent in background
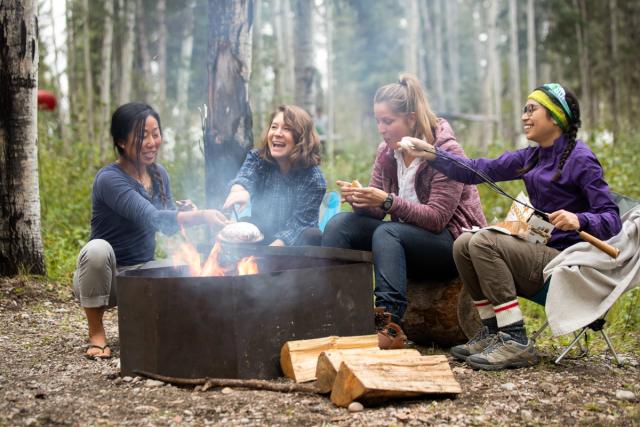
{"points": [[46, 100]]}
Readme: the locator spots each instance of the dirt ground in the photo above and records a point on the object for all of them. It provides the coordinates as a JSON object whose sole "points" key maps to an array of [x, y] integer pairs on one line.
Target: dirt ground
{"points": [[44, 380]]}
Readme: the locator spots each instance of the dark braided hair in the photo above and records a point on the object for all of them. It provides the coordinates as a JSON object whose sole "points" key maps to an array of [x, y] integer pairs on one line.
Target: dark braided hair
{"points": [[572, 131], [129, 119], [570, 134]]}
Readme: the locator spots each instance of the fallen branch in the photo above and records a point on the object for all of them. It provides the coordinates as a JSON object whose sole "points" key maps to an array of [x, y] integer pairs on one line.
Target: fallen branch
{"points": [[207, 383]]}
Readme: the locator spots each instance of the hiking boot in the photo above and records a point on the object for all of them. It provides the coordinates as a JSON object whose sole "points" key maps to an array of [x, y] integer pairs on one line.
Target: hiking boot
{"points": [[505, 352], [391, 337], [382, 317], [480, 341]]}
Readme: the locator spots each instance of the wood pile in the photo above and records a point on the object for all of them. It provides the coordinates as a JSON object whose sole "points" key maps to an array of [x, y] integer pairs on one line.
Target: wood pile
{"points": [[354, 368]]}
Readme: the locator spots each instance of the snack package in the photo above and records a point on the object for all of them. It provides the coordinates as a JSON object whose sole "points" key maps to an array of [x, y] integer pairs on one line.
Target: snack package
{"points": [[522, 223]]}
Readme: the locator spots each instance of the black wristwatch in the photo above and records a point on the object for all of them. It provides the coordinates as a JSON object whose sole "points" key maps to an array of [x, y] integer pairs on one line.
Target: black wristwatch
{"points": [[386, 205]]}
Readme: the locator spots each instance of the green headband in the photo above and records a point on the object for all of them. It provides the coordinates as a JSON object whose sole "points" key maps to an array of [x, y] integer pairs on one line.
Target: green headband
{"points": [[543, 95], [557, 91]]}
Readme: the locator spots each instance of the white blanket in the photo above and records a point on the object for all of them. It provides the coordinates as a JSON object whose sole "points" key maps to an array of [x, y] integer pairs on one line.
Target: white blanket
{"points": [[585, 282]]}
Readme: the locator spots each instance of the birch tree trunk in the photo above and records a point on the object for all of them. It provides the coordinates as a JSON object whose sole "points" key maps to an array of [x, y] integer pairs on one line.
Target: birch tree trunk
{"points": [[287, 41], [427, 62], [440, 103], [330, 98], [453, 49], [21, 247], [229, 133], [614, 60], [186, 51], [514, 71], [494, 68], [105, 78], [72, 68], [413, 33], [585, 61], [126, 58], [88, 73], [283, 68], [162, 56], [145, 58], [63, 120], [532, 78], [303, 55]]}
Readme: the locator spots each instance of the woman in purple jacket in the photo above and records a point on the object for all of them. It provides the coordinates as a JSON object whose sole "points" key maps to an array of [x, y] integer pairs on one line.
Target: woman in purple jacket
{"points": [[427, 209], [563, 178]]}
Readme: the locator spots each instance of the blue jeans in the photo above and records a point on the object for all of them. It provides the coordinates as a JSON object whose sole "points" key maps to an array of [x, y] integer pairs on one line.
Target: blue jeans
{"points": [[399, 250]]}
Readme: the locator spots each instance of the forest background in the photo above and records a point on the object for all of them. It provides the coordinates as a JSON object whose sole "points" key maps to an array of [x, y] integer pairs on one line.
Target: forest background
{"points": [[477, 59]]}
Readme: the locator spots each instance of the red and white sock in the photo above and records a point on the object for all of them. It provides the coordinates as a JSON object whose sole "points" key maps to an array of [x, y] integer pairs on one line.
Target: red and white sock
{"points": [[508, 313], [485, 309]]}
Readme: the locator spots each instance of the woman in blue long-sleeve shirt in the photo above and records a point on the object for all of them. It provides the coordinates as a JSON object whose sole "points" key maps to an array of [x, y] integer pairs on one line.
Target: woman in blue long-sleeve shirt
{"points": [[131, 201], [564, 179], [282, 178]]}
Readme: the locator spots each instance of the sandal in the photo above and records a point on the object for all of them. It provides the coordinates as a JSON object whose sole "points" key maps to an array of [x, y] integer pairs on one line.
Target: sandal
{"points": [[98, 356]]}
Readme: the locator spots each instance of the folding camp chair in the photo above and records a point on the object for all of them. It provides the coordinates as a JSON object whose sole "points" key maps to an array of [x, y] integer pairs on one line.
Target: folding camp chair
{"points": [[624, 204], [597, 325]]}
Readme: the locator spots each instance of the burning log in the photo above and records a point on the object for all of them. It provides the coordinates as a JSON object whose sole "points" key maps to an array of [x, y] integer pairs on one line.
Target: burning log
{"points": [[207, 383], [329, 362], [372, 383], [298, 359]]}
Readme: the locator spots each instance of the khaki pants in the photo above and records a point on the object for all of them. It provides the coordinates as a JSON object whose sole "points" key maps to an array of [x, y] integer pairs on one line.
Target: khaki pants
{"points": [[94, 281], [498, 267]]}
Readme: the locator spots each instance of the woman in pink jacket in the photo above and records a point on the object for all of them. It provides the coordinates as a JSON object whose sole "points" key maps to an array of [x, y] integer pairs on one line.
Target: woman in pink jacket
{"points": [[427, 209]]}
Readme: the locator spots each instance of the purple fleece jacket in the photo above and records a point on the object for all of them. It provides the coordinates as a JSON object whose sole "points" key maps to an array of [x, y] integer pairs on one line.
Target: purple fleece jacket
{"points": [[444, 203]]}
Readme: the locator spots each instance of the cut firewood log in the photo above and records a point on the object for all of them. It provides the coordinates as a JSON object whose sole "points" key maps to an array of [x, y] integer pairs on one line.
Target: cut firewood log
{"points": [[372, 383], [329, 362], [298, 359]]}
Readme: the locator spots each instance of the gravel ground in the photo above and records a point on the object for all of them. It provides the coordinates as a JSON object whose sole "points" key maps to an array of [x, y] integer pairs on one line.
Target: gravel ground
{"points": [[44, 380]]}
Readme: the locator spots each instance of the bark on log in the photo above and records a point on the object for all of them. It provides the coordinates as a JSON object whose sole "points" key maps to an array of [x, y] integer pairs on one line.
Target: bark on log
{"points": [[440, 313], [298, 359], [329, 362], [21, 246]]}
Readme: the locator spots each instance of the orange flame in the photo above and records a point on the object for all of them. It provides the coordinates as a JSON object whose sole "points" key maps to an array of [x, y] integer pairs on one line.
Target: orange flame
{"points": [[187, 254], [211, 266], [247, 265], [190, 256]]}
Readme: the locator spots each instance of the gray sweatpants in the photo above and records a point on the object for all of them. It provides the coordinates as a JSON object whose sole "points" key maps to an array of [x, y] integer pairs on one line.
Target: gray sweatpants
{"points": [[498, 267], [94, 281]]}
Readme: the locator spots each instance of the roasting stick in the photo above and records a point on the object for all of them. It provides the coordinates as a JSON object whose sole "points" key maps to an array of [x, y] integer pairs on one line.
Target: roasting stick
{"points": [[207, 383], [613, 252]]}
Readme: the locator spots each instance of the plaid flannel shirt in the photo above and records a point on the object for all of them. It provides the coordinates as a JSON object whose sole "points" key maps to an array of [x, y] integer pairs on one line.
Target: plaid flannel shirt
{"points": [[282, 206]]}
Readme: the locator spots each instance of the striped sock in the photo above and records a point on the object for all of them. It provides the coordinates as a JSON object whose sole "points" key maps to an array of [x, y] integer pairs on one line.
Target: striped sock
{"points": [[508, 313], [484, 309]]}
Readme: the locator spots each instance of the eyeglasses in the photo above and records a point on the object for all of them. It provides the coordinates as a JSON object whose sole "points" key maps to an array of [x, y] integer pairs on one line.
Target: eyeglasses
{"points": [[529, 109]]}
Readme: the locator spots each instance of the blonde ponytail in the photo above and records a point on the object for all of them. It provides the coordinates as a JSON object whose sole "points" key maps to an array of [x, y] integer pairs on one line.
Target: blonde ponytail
{"points": [[408, 96]]}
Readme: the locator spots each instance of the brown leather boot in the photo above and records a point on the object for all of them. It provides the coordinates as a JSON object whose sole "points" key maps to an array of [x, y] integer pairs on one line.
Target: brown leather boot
{"points": [[391, 337]]}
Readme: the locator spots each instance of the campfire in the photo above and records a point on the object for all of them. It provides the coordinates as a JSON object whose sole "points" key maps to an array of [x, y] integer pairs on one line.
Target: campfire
{"points": [[227, 316], [187, 254]]}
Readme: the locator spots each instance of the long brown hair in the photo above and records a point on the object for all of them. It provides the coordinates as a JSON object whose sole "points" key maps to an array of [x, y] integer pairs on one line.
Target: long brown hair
{"points": [[408, 96], [306, 152]]}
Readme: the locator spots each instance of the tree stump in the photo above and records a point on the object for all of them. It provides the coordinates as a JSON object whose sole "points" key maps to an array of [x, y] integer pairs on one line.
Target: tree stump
{"points": [[440, 313]]}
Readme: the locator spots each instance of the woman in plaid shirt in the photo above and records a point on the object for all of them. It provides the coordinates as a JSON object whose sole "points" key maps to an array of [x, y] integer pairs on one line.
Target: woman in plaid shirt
{"points": [[282, 178]]}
